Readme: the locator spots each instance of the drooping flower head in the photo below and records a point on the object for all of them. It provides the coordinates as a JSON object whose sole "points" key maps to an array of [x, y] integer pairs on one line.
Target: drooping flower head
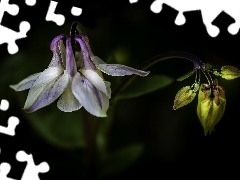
{"points": [[73, 77], [211, 96], [210, 109]]}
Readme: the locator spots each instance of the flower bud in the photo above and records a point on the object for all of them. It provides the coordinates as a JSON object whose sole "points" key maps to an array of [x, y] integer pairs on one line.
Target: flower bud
{"points": [[183, 97], [210, 109], [230, 72]]}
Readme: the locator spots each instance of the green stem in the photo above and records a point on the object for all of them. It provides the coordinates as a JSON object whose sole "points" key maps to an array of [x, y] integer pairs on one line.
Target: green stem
{"points": [[210, 81], [182, 55]]}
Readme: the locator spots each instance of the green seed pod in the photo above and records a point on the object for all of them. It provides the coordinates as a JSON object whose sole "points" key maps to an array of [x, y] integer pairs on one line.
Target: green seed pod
{"points": [[230, 72], [210, 110], [183, 97]]}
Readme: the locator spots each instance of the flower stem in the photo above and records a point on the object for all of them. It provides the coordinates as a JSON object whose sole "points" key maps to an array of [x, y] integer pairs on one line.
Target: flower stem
{"points": [[198, 64], [90, 139], [210, 82]]}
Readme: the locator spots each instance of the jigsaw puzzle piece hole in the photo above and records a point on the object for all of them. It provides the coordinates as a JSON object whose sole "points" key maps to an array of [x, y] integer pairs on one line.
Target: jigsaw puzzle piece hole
{"points": [[21, 156], [180, 19], [13, 121], [213, 31], [24, 27], [5, 168], [13, 9], [12, 48], [44, 167], [156, 6], [30, 2], [233, 28]]}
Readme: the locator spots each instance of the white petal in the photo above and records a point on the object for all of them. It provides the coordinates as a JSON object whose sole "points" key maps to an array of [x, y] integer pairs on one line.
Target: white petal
{"points": [[59, 52], [120, 70], [95, 79], [48, 75], [93, 100], [26, 83], [67, 102], [44, 94]]}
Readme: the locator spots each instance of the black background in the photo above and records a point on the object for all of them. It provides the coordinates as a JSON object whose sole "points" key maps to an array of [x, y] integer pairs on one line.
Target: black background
{"points": [[175, 145]]}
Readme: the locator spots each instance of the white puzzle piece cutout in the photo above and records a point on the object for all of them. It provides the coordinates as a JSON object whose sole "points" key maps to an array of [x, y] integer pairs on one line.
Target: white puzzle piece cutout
{"points": [[7, 35], [51, 16], [4, 170], [133, 1], [31, 171], [12, 121], [12, 124], [209, 10], [30, 2], [4, 105], [76, 11]]}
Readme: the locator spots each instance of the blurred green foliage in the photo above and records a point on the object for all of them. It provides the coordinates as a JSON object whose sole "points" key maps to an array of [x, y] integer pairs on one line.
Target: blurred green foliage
{"points": [[119, 160], [142, 86]]}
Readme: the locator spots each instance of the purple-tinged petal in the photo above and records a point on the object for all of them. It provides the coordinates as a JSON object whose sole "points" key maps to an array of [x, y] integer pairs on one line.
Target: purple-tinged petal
{"points": [[116, 69], [71, 67], [87, 62], [46, 78], [68, 102], [95, 80], [26, 83], [54, 43], [120, 70], [85, 39], [58, 49], [93, 100], [43, 95]]}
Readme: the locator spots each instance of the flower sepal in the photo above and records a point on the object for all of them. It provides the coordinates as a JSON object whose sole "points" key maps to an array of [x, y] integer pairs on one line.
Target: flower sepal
{"points": [[183, 97], [228, 72]]}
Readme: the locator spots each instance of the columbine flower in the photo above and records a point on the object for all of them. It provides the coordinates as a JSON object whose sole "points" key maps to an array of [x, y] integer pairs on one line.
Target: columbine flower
{"points": [[210, 109], [77, 86], [211, 96]]}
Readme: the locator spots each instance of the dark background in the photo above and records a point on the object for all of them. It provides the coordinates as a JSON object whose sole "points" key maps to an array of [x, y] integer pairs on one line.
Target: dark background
{"points": [[174, 142]]}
